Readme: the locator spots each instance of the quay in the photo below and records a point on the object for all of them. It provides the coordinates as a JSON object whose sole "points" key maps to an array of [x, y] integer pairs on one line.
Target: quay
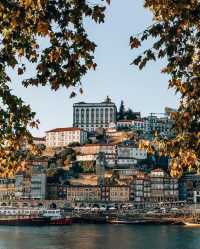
{"points": [[137, 219]]}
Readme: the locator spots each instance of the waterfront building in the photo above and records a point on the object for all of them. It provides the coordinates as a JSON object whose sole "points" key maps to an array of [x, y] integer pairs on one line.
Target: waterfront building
{"points": [[61, 137], [22, 185], [119, 194], [91, 116], [100, 168], [83, 193], [7, 189], [163, 187], [141, 189], [152, 189], [188, 184], [38, 183]]}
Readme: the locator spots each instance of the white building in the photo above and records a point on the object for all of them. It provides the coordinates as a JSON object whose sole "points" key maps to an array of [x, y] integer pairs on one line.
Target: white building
{"points": [[131, 152], [138, 124], [148, 124], [91, 116], [61, 137], [116, 155]]}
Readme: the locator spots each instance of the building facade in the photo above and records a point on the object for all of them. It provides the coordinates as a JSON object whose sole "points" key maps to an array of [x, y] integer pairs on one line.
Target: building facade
{"points": [[163, 187], [188, 184], [83, 193], [38, 184], [61, 137], [7, 189], [91, 116], [22, 185]]}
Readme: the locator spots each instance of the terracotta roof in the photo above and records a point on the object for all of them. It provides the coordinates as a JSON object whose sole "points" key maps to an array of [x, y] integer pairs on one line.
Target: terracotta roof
{"points": [[64, 129]]}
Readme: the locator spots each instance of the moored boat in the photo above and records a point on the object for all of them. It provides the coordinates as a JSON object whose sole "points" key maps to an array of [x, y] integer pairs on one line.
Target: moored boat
{"points": [[32, 217], [24, 221], [192, 224], [56, 217]]}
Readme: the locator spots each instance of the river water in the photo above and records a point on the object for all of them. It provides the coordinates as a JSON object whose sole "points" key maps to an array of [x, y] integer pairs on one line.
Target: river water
{"points": [[100, 237]]}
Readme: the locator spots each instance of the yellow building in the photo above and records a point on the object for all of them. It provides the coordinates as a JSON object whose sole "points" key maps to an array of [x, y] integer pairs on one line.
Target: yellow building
{"points": [[83, 193], [119, 193]]}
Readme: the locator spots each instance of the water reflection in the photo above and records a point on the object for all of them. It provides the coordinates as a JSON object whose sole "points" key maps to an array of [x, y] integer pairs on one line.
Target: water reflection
{"points": [[100, 237]]}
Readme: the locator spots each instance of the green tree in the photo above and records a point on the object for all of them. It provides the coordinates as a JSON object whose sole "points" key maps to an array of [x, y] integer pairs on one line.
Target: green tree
{"points": [[130, 115], [62, 63], [122, 111]]}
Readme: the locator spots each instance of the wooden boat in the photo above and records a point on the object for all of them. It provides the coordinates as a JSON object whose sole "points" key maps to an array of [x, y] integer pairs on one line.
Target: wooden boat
{"points": [[192, 224]]}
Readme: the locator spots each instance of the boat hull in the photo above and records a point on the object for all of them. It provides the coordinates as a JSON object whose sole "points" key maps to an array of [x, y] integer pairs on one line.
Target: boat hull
{"points": [[24, 221], [190, 224], [60, 222]]}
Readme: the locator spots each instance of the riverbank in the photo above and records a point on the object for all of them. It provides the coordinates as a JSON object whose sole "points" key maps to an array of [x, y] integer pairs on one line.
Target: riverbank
{"points": [[122, 219]]}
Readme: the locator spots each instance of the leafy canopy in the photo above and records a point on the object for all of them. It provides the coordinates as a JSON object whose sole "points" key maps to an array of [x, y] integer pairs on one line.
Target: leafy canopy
{"points": [[62, 63], [175, 35]]}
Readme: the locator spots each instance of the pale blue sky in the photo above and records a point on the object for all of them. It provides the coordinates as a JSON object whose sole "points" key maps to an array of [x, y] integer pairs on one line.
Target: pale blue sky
{"points": [[144, 91]]}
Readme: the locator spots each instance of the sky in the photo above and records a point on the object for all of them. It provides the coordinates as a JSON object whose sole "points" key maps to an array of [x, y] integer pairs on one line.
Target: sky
{"points": [[145, 91]]}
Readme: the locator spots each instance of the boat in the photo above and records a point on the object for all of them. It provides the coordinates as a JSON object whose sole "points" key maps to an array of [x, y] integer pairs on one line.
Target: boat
{"points": [[56, 217], [127, 222], [32, 217], [192, 224], [24, 221]]}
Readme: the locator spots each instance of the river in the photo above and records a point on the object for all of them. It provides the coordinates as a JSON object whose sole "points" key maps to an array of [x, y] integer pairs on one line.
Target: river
{"points": [[100, 237]]}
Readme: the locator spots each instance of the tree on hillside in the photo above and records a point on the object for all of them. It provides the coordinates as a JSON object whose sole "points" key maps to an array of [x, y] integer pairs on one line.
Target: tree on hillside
{"points": [[122, 111], [67, 56], [175, 35], [130, 115]]}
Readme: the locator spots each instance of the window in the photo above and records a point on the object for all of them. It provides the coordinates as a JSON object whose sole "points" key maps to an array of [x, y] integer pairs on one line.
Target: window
{"points": [[77, 115], [101, 114], [87, 116], [106, 115], [82, 115], [92, 115], [111, 115], [97, 115]]}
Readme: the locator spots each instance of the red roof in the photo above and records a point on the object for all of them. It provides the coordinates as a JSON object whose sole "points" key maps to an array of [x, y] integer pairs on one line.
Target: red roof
{"points": [[64, 129]]}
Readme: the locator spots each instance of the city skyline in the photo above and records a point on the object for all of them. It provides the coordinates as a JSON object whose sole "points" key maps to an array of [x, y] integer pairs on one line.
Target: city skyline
{"points": [[145, 91]]}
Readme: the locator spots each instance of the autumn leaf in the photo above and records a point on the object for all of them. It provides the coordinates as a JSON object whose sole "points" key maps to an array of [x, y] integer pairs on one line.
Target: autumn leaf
{"points": [[43, 28], [20, 71], [134, 42], [26, 3]]}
